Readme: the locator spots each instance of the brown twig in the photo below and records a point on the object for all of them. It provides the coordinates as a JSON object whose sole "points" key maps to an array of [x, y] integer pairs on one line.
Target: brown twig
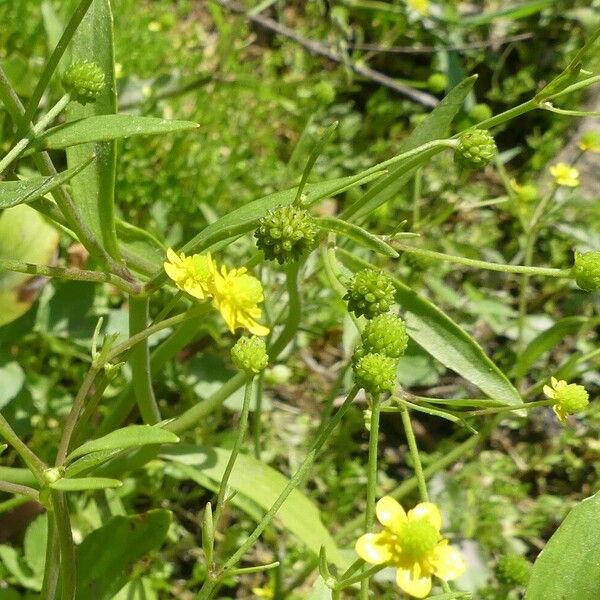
{"points": [[321, 50]]}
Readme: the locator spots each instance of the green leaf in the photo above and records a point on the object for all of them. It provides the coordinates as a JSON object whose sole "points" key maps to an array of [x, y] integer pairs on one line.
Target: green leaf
{"points": [[106, 556], [34, 545], [545, 341], [141, 250], [3, 447], [25, 236], [132, 436], [434, 127], [569, 565], [439, 335], [90, 461], [518, 11], [94, 189], [19, 569], [84, 483], [262, 484], [12, 378], [358, 234], [105, 128], [32, 188]]}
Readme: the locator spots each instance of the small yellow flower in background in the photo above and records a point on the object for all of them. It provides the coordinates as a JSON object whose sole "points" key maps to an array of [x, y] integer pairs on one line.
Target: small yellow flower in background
{"points": [[235, 293], [421, 6], [237, 296], [413, 544], [590, 142], [192, 274], [569, 398], [565, 175]]}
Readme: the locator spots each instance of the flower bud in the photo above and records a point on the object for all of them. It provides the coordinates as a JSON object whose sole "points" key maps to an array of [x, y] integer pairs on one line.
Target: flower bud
{"points": [[513, 570], [249, 354], [437, 82], [370, 293], [375, 373], [476, 149], [587, 270], [480, 112], [285, 234], [84, 80]]}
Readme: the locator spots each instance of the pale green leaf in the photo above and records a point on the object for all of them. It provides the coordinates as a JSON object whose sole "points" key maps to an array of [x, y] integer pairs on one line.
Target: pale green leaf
{"points": [[80, 484], [261, 484], [104, 128], [132, 436], [568, 568]]}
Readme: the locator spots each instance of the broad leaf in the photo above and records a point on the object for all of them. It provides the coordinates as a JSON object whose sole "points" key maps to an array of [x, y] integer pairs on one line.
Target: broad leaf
{"points": [[441, 337], [132, 436], [32, 188], [105, 128], [94, 188], [80, 484], [569, 565], [260, 483], [106, 556], [435, 126], [24, 236]]}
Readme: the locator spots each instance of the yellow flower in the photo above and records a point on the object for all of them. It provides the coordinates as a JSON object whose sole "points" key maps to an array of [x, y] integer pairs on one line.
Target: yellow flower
{"points": [[237, 295], [411, 542], [565, 175], [421, 6], [569, 398], [590, 141], [192, 274]]}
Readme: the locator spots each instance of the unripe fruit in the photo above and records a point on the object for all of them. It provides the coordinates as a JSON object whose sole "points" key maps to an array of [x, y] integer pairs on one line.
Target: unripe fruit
{"points": [[476, 149], [84, 81], [249, 354], [370, 293]]}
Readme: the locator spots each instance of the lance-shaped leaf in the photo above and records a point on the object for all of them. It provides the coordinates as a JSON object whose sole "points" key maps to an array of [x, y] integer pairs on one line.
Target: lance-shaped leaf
{"points": [[133, 436], [80, 484], [32, 188]]}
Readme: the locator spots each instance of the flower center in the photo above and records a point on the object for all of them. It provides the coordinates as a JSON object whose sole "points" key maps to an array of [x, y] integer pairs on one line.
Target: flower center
{"points": [[418, 538], [246, 290]]}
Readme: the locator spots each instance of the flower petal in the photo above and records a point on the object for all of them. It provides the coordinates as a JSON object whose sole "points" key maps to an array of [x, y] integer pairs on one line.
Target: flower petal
{"points": [[419, 588], [426, 510], [549, 392], [371, 549], [389, 513], [172, 256], [448, 562]]}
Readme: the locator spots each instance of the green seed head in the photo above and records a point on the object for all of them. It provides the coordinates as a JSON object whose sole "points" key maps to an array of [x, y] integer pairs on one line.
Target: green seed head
{"points": [[587, 270], [437, 82], [385, 334], [418, 538], [572, 399], [375, 373], [84, 80], [476, 149], [370, 293], [286, 233], [513, 570], [480, 112], [249, 354]]}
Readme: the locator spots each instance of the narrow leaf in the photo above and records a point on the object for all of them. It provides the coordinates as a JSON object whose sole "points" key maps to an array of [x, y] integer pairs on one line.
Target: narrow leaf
{"points": [[85, 483], [358, 234], [106, 128], [132, 436], [569, 565], [439, 335], [260, 483], [32, 188]]}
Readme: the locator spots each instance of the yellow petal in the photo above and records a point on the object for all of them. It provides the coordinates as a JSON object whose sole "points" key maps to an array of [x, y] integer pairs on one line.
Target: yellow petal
{"points": [[389, 513], [173, 271], [560, 413], [419, 588], [448, 562], [426, 510], [257, 329], [371, 549], [549, 392], [553, 381], [172, 256], [195, 289]]}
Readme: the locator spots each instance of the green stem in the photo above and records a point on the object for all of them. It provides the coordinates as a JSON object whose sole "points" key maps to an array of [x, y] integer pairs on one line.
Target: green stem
{"points": [[22, 144], [52, 563], [36, 466], [22, 490], [257, 417], [371, 481], [139, 361], [54, 59], [242, 427], [414, 454], [67, 550], [362, 576], [482, 264], [68, 273], [295, 480]]}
